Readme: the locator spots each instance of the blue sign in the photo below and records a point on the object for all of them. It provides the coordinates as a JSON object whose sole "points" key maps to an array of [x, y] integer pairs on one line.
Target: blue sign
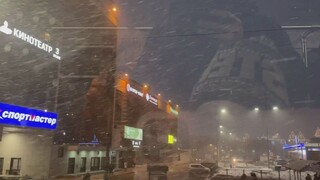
{"points": [[295, 146], [26, 117]]}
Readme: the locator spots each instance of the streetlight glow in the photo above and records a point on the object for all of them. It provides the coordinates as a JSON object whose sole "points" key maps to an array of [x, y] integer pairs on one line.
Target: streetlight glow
{"points": [[221, 132], [230, 134], [256, 109], [220, 126], [145, 86], [223, 110], [126, 75], [275, 108], [114, 9]]}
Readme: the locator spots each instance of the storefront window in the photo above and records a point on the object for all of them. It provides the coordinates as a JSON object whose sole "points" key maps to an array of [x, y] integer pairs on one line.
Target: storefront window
{"points": [[95, 163], [1, 165]]}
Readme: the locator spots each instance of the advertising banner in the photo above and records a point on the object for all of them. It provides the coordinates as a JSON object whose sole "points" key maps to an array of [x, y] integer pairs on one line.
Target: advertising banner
{"points": [[133, 133], [27, 117]]}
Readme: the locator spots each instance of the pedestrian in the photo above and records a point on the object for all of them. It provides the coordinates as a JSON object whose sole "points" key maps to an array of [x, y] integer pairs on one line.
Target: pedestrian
{"points": [[86, 176], [315, 176], [308, 177], [243, 176], [125, 164], [111, 168], [254, 176]]}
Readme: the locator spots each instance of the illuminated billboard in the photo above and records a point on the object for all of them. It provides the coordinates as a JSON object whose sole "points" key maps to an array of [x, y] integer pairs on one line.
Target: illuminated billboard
{"points": [[170, 139], [133, 133], [26, 117], [11, 31]]}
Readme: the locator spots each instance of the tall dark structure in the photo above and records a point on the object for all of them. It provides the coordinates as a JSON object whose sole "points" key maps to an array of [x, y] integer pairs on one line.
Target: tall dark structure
{"points": [[207, 30]]}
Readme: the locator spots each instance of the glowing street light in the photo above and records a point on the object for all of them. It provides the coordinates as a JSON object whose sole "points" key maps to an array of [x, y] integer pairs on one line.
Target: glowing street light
{"points": [[145, 86], [220, 126], [275, 108], [256, 109], [126, 75], [230, 134], [223, 111], [114, 9], [159, 94], [221, 132]]}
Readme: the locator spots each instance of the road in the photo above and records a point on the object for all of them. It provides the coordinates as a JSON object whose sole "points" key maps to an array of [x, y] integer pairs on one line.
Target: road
{"points": [[176, 171]]}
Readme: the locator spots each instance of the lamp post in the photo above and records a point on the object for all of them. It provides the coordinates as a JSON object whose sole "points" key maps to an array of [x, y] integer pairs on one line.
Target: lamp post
{"points": [[222, 111], [257, 110]]}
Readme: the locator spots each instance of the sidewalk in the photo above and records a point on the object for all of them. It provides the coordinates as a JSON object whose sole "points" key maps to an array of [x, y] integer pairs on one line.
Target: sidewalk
{"points": [[97, 175]]}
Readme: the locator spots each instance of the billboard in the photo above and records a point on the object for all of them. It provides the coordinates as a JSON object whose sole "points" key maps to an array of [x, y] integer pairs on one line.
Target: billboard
{"points": [[133, 133], [27, 117], [170, 139]]}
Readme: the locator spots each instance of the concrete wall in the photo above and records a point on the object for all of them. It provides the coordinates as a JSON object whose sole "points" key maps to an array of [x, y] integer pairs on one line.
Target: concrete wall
{"points": [[32, 146], [59, 166]]}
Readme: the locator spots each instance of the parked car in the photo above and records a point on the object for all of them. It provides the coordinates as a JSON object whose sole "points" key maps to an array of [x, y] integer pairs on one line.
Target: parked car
{"points": [[221, 176], [211, 165], [198, 170]]}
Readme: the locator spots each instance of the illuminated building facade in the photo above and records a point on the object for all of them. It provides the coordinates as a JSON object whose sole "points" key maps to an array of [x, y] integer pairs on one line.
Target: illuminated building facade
{"points": [[54, 60], [138, 107]]}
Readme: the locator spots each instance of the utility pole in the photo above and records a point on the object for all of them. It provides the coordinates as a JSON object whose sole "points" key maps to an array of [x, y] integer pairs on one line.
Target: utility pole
{"points": [[268, 147]]}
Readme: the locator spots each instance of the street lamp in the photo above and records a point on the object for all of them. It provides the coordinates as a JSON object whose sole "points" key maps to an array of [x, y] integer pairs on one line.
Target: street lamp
{"points": [[230, 134], [221, 132], [223, 111], [275, 108], [220, 126]]}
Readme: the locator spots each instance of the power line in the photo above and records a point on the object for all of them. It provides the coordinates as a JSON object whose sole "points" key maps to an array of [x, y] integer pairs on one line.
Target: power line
{"points": [[209, 33]]}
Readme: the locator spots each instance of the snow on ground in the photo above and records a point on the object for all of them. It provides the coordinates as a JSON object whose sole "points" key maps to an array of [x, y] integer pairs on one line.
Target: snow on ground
{"points": [[266, 172]]}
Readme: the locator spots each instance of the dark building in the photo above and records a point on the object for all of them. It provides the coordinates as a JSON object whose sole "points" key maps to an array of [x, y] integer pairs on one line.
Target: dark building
{"points": [[245, 73]]}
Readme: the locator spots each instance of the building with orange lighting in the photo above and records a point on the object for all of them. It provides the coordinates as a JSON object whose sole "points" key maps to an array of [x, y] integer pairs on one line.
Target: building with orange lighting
{"points": [[136, 106]]}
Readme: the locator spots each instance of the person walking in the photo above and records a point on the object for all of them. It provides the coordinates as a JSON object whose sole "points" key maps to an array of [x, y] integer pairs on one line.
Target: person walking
{"points": [[308, 177], [254, 176], [86, 176], [244, 176]]}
